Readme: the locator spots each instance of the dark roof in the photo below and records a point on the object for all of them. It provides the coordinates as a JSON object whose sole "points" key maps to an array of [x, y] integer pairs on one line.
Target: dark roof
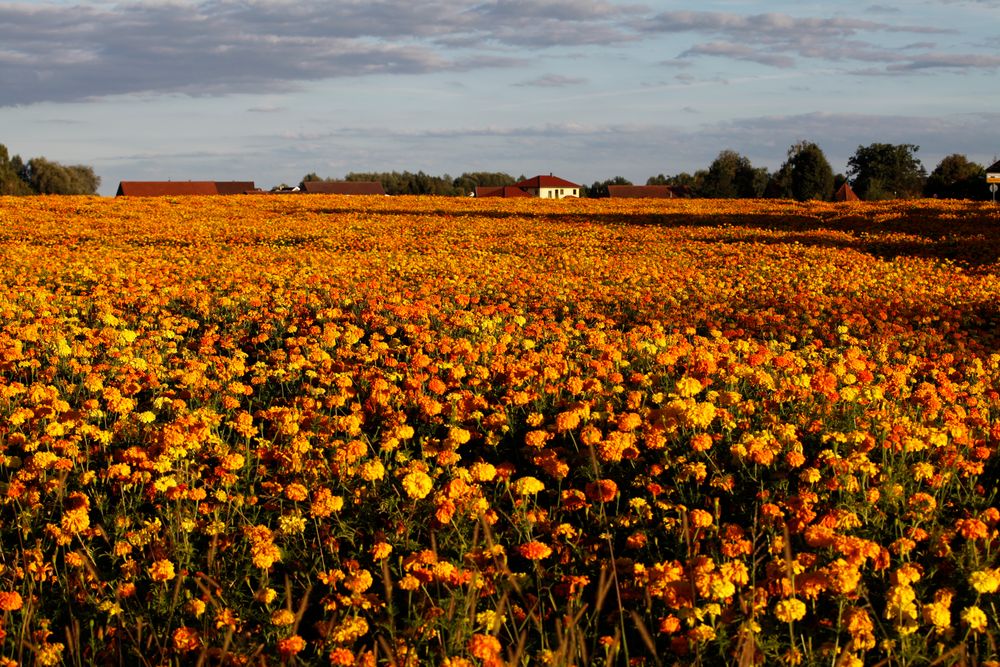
{"points": [[500, 191], [343, 187], [845, 193], [234, 187], [641, 191], [549, 181], [173, 188], [993, 168]]}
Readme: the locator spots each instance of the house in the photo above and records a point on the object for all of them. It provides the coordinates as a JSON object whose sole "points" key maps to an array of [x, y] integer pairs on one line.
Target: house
{"points": [[993, 173], [176, 188], [500, 191], [845, 193], [641, 192], [343, 187], [549, 187]]}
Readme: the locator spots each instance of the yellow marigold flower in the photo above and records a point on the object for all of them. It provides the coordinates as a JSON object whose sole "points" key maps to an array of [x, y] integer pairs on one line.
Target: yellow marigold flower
{"points": [[483, 472], [688, 386], [372, 471], [975, 618], [985, 581], [381, 550], [417, 484], [789, 610], [49, 655], [526, 486], [264, 554], [162, 570], [282, 617], [700, 518]]}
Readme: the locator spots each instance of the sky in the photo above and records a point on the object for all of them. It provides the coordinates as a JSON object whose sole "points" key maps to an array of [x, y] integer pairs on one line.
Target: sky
{"points": [[586, 89]]}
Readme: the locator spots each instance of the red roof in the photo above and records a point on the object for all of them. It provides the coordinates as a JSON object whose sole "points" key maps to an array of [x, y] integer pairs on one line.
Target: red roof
{"points": [[641, 191], [845, 193], [173, 188], [549, 181], [498, 191], [343, 187]]}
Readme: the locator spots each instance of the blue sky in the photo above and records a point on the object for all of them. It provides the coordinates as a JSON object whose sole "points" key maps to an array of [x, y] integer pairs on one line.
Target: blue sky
{"points": [[587, 89]]}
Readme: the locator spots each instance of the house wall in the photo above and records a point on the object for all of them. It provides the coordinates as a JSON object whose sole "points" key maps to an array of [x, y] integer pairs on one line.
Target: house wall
{"points": [[558, 193]]}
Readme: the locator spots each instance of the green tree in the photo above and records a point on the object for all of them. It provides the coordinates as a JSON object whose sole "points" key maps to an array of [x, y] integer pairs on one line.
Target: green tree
{"points": [[956, 177], [731, 175], [51, 178], [600, 188], [806, 174], [469, 181], [11, 181], [886, 171]]}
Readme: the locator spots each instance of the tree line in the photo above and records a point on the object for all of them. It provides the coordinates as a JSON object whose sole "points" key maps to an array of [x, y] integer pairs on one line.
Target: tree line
{"points": [[877, 171], [39, 176]]}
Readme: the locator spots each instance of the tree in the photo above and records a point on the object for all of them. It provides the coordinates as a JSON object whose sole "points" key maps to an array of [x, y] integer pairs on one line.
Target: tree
{"points": [[956, 177], [732, 175], [600, 188], [11, 181], [469, 181], [886, 171], [806, 174], [51, 178]]}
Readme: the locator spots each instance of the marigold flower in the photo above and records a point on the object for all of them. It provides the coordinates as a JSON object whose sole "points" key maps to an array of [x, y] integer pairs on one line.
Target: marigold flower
{"points": [[483, 647], [527, 486], [291, 645], [789, 610], [417, 484], [985, 581], [162, 570], [11, 601], [975, 618], [186, 639], [534, 550], [603, 490]]}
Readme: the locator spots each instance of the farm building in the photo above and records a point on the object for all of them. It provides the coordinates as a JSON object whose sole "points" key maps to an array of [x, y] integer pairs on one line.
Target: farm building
{"points": [[641, 191], [343, 187], [500, 191], [549, 187], [175, 188], [845, 193]]}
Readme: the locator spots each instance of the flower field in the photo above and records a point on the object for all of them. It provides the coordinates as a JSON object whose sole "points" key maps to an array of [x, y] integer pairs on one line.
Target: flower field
{"points": [[428, 431]]}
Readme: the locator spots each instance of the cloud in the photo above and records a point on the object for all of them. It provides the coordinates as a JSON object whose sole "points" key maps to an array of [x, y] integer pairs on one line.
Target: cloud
{"points": [[552, 81], [52, 51]]}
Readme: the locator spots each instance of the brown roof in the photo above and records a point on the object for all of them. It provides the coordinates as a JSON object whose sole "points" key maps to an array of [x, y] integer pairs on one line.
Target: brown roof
{"points": [[549, 181], [500, 191], [343, 187], [641, 191], [173, 188], [845, 193], [234, 187]]}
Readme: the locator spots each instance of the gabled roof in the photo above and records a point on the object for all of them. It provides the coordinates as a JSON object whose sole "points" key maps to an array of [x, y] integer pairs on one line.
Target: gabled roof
{"points": [[549, 181], [641, 191], [500, 191], [343, 187], [993, 168], [845, 193], [174, 188]]}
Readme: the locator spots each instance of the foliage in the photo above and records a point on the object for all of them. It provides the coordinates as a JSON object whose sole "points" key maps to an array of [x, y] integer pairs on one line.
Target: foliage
{"points": [[599, 189], [805, 175], [469, 181], [482, 432], [731, 175], [956, 177], [41, 176], [408, 183], [886, 171]]}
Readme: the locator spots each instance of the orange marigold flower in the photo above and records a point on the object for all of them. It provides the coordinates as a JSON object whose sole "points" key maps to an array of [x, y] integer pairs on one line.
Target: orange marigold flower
{"points": [[701, 442], [603, 490], [291, 645], [11, 601], [186, 639], [296, 492], [700, 518], [484, 647], [324, 503], [534, 550]]}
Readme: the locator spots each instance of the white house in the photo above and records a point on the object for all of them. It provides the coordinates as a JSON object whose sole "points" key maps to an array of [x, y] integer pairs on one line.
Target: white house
{"points": [[549, 187]]}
